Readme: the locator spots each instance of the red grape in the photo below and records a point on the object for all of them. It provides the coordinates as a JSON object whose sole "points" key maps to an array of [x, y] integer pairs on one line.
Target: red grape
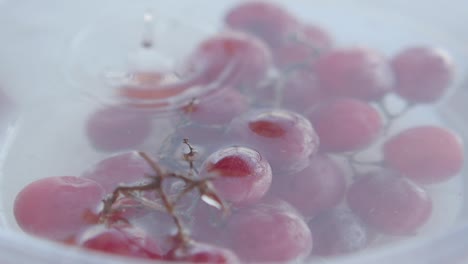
{"points": [[124, 168], [423, 74], [302, 47], [391, 204], [426, 154], [265, 20], [286, 139], [218, 109], [338, 232], [269, 232], [57, 207], [318, 187], [196, 252], [234, 58], [354, 72], [243, 175], [121, 239], [117, 128], [346, 125]]}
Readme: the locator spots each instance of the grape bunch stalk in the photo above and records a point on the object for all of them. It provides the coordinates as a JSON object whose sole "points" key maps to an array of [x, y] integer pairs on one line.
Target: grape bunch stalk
{"points": [[156, 185], [167, 203]]}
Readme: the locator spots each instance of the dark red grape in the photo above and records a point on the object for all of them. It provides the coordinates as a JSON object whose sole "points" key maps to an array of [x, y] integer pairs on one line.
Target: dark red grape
{"points": [[426, 154], [270, 22], [120, 239], [233, 58], [286, 139], [117, 128], [243, 175], [423, 74], [57, 207], [346, 125], [354, 72], [269, 232], [303, 46], [391, 204], [218, 109], [196, 252], [318, 187], [339, 232], [124, 168]]}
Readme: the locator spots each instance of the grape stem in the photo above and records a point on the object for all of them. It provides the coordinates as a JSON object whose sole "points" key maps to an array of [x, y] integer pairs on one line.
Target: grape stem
{"points": [[391, 117], [190, 157], [168, 202]]}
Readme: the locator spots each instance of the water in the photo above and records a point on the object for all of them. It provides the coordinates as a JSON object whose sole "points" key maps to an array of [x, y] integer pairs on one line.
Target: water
{"points": [[48, 139]]}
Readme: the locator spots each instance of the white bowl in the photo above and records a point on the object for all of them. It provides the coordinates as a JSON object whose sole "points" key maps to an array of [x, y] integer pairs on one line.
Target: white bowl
{"points": [[41, 69]]}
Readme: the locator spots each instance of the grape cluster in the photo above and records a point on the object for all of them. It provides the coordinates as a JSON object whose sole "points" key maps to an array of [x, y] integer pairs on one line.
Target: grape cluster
{"points": [[263, 168]]}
